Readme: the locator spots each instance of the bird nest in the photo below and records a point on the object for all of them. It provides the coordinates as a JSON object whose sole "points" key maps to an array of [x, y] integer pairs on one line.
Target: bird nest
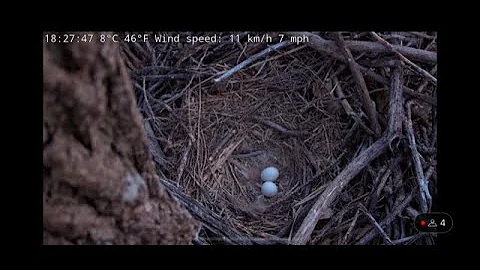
{"points": [[298, 108]]}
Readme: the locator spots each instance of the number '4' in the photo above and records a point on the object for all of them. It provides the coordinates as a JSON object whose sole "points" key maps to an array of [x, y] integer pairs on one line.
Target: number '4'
{"points": [[442, 222]]}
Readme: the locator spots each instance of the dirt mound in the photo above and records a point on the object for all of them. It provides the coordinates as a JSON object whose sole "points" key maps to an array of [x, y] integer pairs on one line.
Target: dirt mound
{"points": [[100, 184]]}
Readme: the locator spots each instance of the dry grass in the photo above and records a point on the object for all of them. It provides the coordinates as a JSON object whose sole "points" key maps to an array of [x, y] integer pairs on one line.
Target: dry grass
{"points": [[218, 137]]}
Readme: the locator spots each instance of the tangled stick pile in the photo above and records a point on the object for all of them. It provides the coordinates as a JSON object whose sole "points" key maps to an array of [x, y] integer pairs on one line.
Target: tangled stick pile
{"points": [[348, 118]]}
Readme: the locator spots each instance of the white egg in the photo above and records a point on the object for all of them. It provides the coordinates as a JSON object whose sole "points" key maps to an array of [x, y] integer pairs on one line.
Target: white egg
{"points": [[269, 174], [269, 189]]}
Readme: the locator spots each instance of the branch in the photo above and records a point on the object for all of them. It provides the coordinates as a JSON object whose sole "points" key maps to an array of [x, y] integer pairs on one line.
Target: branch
{"points": [[368, 103], [390, 217], [346, 106], [406, 90], [425, 196], [377, 226], [183, 162], [154, 146], [328, 46], [410, 239], [251, 59], [279, 128], [403, 58], [350, 228], [338, 89], [319, 44], [396, 103], [209, 219]]}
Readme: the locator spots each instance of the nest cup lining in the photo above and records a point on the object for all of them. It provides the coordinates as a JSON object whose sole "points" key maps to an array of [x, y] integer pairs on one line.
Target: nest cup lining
{"points": [[231, 142]]}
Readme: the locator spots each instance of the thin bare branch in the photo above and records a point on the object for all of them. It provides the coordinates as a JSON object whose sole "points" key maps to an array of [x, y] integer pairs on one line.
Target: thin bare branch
{"points": [[396, 103], [403, 58], [251, 59], [390, 217], [328, 46], [210, 220], [377, 226], [347, 236], [280, 128], [425, 197], [368, 103]]}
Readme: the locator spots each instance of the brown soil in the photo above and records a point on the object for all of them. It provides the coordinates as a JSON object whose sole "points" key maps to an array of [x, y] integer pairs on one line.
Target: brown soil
{"points": [[100, 185]]}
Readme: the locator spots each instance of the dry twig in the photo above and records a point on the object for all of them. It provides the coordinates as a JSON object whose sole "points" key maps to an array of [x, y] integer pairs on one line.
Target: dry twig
{"points": [[251, 59], [403, 58], [425, 197], [377, 226], [366, 46], [328, 47], [347, 236], [368, 103], [209, 219], [390, 217], [279, 128], [346, 106]]}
